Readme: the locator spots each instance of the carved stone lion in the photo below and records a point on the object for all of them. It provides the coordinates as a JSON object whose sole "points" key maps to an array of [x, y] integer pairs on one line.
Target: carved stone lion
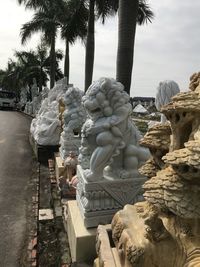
{"points": [[110, 140], [74, 114]]}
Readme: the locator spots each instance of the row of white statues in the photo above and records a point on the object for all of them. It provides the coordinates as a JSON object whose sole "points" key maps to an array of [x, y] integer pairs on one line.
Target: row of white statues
{"points": [[46, 102], [98, 127], [32, 106]]}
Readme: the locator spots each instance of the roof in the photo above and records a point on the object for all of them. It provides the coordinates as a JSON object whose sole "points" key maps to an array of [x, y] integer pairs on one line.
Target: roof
{"points": [[140, 109], [141, 98]]}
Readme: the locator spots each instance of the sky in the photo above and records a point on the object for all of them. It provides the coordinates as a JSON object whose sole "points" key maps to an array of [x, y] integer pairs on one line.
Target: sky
{"points": [[166, 49]]}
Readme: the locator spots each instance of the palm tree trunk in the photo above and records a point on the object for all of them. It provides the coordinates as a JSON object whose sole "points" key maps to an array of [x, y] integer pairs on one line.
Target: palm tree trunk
{"points": [[128, 11], [89, 57], [66, 64], [53, 62]]}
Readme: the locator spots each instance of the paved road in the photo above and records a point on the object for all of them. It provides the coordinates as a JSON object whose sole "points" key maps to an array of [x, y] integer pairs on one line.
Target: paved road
{"points": [[15, 171]]}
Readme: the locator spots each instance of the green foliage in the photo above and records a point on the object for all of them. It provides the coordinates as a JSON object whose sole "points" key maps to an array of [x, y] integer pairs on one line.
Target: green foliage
{"points": [[106, 8], [73, 20], [145, 14], [68, 15], [27, 65], [44, 20], [142, 126]]}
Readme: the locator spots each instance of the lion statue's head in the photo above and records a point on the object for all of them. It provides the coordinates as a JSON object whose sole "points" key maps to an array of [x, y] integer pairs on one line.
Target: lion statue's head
{"points": [[73, 95], [104, 97]]}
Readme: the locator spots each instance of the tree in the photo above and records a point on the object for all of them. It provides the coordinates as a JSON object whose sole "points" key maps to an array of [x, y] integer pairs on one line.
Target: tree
{"points": [[45, 20], [71, 16], [10, 77], [130, 13], [36, 64], [27, 65], [73, 25], [104, 8]]}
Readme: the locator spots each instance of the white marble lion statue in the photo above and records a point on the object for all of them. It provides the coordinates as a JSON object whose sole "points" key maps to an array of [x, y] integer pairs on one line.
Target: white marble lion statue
{"points": [[110, 140]]}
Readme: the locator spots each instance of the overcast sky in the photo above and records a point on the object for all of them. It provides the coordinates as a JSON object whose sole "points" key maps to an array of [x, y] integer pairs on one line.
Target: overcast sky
{"points": [[166, 49]]}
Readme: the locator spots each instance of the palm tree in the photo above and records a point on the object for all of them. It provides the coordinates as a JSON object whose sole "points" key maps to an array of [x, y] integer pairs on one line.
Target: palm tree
{"points": [[104, 8], [71, 16], [28, 65], [45, 20], [10, 77], [130, 13], [36, 64], [73, 25]]}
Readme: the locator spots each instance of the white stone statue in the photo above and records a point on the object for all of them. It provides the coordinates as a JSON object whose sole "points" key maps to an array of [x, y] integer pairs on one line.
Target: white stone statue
{"points": [[74, 116], [29, 108], [110, 140], [45, 92], [34, 89], [165, 91], [45, 128], [23, 96], [36, 103]]}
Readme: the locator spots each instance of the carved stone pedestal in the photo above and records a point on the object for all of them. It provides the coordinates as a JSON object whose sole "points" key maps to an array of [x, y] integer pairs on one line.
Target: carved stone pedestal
{"points": [[99, 201], [69, 144], [81, 240], [59, 166]]}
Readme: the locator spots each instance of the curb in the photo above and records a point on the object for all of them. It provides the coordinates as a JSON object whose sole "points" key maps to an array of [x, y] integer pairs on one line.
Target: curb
{"points": [[33, 237]]}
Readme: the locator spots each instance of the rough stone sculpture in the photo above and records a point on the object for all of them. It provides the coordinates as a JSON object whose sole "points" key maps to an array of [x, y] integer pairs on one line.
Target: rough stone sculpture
{"points": [[157, 139], [110, 154], [46, 128], [194, 81], [164, 230], [73, 118], [165, 91]]}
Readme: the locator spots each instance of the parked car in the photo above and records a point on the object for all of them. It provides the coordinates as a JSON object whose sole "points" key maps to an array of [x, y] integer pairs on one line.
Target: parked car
{"points": [[7, 99]]}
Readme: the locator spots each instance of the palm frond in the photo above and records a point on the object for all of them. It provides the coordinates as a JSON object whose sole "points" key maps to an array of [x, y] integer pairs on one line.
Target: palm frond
{"points": [[105, 8], [74, 24], [41, 22], [145, 14]]}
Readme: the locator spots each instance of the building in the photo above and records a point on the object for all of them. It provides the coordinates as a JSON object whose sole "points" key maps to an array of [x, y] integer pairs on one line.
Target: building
{"points": [[146, 102]]}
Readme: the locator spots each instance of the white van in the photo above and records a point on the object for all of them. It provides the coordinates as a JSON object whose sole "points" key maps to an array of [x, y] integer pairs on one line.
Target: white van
{"points": [[7, 99]]}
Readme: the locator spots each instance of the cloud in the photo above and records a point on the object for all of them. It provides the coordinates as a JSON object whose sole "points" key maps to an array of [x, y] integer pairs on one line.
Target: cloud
{"points": [[166, 49]]}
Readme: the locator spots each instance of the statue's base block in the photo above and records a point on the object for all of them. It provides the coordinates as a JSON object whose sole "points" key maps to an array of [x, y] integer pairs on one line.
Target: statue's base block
{"points": [[43, 153], [59, 167], [99, 201], [107, 252], [81, 240], [69, 145]]}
